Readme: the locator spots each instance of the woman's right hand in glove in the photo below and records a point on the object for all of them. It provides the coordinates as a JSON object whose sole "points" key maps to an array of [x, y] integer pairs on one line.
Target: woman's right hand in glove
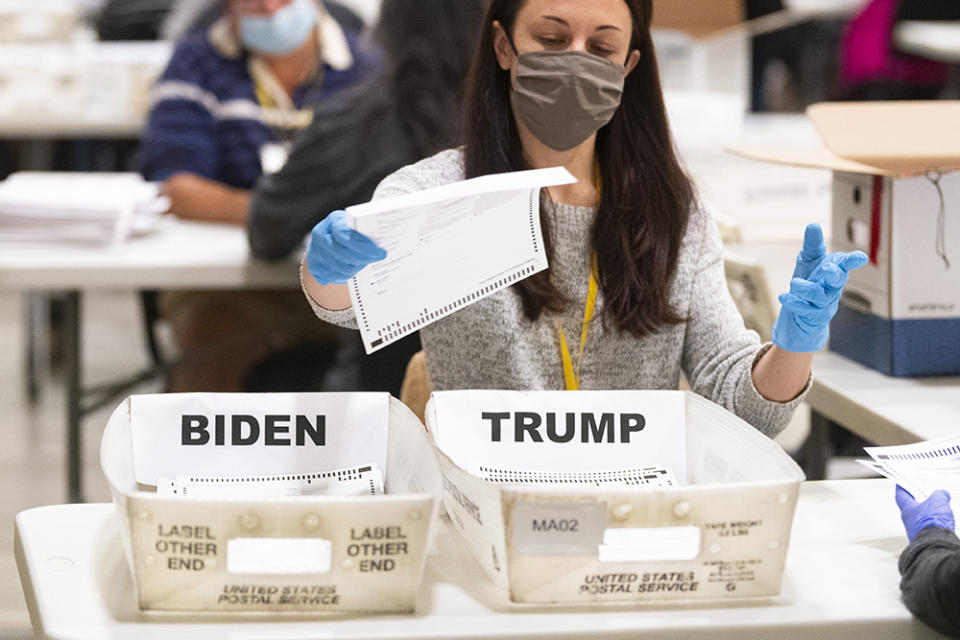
{"points": [[336, 252]]}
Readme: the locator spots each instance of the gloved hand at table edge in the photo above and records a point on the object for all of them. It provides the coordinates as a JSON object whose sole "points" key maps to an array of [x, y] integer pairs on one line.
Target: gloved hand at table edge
{"points": [[935, 511]]}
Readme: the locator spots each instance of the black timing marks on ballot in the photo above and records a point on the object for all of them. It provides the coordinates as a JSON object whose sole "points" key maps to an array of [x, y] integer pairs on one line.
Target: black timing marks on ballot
{"points": [[246, 430], [529, 426]]}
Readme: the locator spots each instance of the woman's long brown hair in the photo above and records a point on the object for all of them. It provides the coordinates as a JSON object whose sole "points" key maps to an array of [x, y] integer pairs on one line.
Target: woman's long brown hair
{"points": [[646, 196]]}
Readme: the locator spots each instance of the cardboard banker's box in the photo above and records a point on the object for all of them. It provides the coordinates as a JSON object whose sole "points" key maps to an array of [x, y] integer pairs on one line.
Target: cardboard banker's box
{"points": [[896, 196], [514, 465], [273, 503]]}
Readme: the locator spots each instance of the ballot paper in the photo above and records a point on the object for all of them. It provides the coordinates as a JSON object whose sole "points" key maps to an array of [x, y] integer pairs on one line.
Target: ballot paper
{"points": [[920, 468], [355, 481], [447, 247], [79, 208], [650, 477]]}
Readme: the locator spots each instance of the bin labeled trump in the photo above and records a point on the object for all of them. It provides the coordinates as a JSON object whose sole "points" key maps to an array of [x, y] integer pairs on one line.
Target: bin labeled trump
{"points": [[614, 496], [289, 502]]}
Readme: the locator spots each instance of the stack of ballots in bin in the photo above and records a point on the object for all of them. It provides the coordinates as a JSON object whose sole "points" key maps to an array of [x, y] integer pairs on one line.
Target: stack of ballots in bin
{"points": [[84, 208]]}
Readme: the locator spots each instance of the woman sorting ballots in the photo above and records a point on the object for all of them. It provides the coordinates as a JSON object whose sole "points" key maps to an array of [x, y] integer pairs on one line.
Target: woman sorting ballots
{"points": [[636, 268], [229, 102]]}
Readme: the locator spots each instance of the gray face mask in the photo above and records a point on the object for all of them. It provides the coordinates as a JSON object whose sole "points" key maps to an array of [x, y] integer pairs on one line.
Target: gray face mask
{"points": [[564, 97]]}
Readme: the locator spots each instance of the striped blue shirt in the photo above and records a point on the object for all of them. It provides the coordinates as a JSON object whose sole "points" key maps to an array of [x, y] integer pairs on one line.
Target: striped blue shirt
{"points": [[206, 118]]}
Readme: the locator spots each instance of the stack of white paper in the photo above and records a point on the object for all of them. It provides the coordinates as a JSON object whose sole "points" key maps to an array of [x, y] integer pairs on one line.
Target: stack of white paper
{"points": [[920, 468], [89, 208]]}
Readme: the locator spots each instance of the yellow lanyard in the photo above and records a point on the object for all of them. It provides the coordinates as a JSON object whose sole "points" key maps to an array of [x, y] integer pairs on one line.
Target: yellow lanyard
{"points": [[571, 378], [263, 96], [279, 111]]}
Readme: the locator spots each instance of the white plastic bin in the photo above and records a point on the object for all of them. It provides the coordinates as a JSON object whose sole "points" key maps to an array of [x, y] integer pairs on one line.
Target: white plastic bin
{"points": [[558, 545], [181, 549]]}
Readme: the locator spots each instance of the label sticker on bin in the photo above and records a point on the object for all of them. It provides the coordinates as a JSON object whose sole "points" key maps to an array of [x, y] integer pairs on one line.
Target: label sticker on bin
{"points": [[558, 529], [199, 434]]}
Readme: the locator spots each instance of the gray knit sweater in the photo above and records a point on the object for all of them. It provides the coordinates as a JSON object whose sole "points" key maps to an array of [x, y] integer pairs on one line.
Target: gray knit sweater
{"points": [[492, 345]]}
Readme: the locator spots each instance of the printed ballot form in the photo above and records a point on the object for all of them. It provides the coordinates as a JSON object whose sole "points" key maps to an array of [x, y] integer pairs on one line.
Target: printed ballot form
{"points": [[447, 247], [353, 481], [920, 468]]}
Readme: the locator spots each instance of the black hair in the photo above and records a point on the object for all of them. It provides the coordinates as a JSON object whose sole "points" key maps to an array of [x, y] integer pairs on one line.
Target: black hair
{"points": [[428, 46]]}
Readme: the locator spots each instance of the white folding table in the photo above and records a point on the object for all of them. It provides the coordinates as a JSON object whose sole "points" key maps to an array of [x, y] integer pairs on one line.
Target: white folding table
{"points": [[181, 254], [881, 409], [841, 581]]}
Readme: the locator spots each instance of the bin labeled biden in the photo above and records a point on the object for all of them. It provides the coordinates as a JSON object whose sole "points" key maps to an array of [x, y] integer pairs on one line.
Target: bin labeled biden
{"points": [[613, 496], [285, 502]]}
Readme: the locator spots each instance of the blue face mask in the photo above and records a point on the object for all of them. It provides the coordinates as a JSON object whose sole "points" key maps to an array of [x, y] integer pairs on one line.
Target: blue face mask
{"points": [[282, 32]]}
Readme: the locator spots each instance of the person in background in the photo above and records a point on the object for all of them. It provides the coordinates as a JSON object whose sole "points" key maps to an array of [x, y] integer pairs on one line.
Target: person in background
{"points": [[233, 97], [409, 110], [636, 264], [224, 112], [930, 565]]}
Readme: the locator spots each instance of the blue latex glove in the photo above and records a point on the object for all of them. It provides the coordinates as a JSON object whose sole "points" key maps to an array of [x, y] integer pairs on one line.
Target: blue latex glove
{"points": [[935, 511], [813, 252], [818, 278], [336, 252]]}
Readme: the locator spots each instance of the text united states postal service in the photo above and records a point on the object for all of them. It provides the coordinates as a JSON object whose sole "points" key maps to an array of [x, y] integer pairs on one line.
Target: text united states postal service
{"points": [[256, 434]]}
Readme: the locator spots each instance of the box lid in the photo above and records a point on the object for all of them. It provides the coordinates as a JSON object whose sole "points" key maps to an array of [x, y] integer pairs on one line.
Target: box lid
{"points": [[896, 138]]}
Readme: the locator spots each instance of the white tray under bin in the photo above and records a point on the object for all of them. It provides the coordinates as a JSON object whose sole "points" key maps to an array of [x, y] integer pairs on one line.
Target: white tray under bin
{"points": [[409, 506], [741, 493]]}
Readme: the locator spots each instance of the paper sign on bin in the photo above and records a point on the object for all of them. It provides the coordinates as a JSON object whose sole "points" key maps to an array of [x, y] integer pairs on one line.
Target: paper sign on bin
{"points": [[202, 434], [562, 432]]}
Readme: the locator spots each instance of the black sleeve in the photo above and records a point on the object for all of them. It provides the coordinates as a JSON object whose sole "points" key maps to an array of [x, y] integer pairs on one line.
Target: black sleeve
{"points": [[930, 571], [336, 162]]}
